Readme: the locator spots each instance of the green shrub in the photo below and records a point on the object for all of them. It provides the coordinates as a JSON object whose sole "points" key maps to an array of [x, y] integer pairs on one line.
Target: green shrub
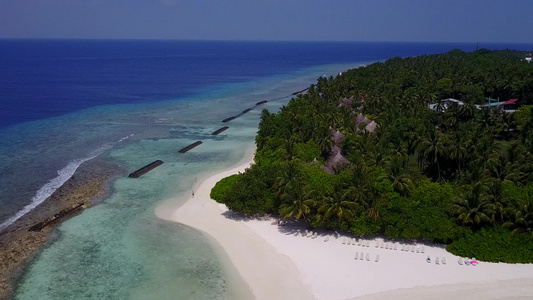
{"points": [[220, 190], [494, 245]]}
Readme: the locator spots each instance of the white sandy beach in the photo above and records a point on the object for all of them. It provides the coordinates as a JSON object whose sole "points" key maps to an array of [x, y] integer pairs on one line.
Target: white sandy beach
{"points": [[278, 262]]}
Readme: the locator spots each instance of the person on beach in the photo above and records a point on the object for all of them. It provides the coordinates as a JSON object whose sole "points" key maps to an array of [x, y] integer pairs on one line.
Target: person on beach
{"points": [[193, 194]]}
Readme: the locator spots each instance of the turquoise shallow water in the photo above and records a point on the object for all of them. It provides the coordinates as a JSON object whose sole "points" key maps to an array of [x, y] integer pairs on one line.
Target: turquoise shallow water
{"points": [[132, 102], [119, 249]]}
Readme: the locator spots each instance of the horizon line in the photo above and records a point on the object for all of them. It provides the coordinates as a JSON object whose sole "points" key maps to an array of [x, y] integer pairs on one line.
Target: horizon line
{"points": [[257, 40]]}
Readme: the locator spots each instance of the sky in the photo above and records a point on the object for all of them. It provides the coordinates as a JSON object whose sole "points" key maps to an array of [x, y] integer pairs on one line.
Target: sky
{"points": [[294, 20]]}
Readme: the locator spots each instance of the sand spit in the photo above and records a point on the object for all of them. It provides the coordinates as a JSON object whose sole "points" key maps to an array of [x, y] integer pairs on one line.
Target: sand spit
{"points": [[281, 262]]}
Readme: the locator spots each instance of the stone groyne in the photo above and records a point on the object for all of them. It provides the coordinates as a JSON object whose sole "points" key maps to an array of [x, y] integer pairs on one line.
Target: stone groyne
{"points": [[218, 131], [145, 169], [191, 146]]}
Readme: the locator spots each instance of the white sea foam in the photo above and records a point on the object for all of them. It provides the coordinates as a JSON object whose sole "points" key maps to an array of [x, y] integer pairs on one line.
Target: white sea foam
{"points": [[49, 188]]}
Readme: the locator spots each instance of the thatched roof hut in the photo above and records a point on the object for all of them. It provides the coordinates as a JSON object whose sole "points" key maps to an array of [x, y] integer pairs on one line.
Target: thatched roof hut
{"points": [[335, 159], [371, 127], [360, 118], [346, 102], [336, 137]]}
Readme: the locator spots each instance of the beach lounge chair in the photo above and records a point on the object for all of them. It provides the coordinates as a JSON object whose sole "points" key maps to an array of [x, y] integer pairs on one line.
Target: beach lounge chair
{"points": [[413, 248], [395, 246], [386, 245], [368, 257], [377, 244], [460, 261], [362, 256], [381, 245], [423, 249], [356, 256], [377, 258], [367, 243], [437, 260], [315, 235], [417, 249], [309, 234], [353, 241], [444, 260], [344, 240], [358, 242], [326, 239]]}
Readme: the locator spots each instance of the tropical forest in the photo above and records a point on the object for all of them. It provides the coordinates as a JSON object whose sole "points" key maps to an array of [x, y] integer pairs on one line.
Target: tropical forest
{"points": [[381, 150]]}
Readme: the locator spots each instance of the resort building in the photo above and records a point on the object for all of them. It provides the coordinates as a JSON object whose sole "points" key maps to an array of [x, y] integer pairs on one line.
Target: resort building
{"points": [[508, 106], [445, 103]]}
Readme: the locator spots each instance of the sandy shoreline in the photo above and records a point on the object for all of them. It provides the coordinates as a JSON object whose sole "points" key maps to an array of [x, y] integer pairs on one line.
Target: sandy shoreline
{"points": [[278, 262], [255, 260]]}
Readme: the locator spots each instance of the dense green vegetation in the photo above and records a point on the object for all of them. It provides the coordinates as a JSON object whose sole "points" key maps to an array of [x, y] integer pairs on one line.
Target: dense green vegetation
{"points": [[457, 175]]}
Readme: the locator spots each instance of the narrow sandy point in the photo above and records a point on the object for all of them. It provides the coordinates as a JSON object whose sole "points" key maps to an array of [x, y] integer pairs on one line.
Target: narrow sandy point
{"points": [[268, 274]]}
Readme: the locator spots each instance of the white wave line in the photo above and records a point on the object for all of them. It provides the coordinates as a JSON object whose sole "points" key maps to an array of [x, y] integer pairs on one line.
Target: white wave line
{"points": [[49, 188]]}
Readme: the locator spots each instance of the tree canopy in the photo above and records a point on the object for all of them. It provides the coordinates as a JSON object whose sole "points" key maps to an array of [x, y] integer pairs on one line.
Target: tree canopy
{"points": [[456, 174]]}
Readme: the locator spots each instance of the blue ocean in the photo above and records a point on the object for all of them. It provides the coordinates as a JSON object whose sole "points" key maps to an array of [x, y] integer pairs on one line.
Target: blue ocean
{"points": [[65, 102]]}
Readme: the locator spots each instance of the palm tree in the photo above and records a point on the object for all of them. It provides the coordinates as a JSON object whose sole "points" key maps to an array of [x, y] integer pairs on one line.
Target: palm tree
{"points": [[297, 201], [458, 145], [401, 181], [323, 140], [336, 203], [484, 148], [290, 174], [433, 148], [467, 111], [496, 203], [373, 200], [521, 216], [412, 139], [472, 207], [486, 118], [501, 168], [452, 115]]}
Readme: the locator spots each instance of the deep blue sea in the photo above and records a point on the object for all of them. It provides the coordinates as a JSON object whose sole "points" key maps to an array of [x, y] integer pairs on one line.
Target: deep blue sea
{"points": [[64, 102]]}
